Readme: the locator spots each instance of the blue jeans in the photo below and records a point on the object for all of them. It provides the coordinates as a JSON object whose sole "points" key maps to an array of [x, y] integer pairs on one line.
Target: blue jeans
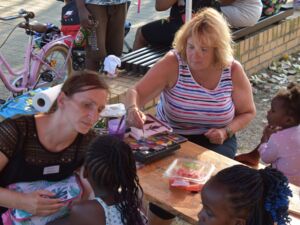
{"points": [[228, 148]]}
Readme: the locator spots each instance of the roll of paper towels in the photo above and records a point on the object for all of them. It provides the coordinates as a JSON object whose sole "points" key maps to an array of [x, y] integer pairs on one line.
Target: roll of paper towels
{"points": [[43, 100]]}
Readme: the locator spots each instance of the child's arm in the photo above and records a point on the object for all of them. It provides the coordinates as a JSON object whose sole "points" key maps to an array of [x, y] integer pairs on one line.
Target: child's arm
{"points": [[85, 212], [268, 131], [268, 145], [250, 158], [61, 221], [268, 151]]}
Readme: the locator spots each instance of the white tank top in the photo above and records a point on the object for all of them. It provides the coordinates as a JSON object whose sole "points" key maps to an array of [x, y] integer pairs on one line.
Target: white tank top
{"points": [[112, 214]]}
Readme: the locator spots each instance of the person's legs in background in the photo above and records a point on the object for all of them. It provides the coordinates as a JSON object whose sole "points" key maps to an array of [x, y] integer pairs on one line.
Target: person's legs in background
{"points": [[139, 40], [157, 33], [94, 57], [115, 29]]}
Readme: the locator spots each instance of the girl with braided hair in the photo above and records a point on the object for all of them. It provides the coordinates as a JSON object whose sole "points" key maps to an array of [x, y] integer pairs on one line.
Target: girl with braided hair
{"points": [[280, 142], [240, 195], [111, 171]]}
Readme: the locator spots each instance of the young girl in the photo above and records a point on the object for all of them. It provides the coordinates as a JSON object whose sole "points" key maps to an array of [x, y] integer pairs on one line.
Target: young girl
{"points": [[280, 143], [110, 169], [240, 195]]}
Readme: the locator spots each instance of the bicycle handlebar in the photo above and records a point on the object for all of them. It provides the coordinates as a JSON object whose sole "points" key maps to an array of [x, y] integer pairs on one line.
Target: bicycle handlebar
{"points": [[22, 13], [26, 14]]}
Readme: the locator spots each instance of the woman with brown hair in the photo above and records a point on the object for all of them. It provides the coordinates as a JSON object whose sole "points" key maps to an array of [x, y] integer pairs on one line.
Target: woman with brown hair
{"points": [[49, 146]]}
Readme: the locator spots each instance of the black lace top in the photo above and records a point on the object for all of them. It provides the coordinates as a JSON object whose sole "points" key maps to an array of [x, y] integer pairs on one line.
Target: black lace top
{"points": [[29, 160]]}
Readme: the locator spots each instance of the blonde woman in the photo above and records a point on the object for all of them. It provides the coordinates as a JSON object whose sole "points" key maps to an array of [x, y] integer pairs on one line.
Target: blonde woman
{"points": [[205, 94]]}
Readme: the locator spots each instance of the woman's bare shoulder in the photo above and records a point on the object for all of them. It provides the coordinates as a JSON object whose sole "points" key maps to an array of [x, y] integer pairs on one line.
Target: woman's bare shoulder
{"points": [[167, 68], [237, 71]]}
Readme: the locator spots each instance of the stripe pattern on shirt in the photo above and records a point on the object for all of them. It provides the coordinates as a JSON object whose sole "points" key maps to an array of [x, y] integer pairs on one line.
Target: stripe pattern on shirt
{"points": [[190, 108], [105, 2]]}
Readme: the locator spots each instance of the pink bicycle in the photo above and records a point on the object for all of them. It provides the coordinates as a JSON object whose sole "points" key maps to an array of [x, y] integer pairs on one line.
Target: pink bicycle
{"points": [[44, 66]]}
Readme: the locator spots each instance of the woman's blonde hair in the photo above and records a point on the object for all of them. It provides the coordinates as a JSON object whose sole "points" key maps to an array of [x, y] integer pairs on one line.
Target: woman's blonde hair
{"points": [[208, 26]]}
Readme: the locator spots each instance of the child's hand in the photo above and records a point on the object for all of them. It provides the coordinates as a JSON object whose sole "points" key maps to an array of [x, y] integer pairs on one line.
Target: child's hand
{"points": [[268, 131]]}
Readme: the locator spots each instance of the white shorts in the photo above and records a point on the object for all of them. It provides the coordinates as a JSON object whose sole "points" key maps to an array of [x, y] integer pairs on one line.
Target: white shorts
{"points": [[243, 13]]}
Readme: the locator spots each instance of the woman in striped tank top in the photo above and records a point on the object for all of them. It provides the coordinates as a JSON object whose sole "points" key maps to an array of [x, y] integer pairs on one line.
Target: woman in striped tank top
{"points": [[205, 94]]}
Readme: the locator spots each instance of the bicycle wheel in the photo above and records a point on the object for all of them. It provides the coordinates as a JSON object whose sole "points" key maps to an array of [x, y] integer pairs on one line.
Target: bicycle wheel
{"points": [[56, 57]]}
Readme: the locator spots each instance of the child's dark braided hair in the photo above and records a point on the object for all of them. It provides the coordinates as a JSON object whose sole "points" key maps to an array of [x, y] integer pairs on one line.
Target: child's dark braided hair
{"points": [[112, 166], [259, 196], [291, 98]]}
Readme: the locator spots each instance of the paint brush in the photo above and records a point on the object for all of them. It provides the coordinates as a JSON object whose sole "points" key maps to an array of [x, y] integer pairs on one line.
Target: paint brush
{"points": [[120, 123]]}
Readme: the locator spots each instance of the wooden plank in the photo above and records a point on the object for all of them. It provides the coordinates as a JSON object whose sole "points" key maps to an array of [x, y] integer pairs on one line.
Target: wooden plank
{"points": [[142, 57], [154, 56], [135, 54], [144, 67], [263, 23]]}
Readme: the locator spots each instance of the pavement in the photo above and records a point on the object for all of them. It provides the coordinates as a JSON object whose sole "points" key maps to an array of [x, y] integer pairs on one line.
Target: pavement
{"points": [[50, 11]]}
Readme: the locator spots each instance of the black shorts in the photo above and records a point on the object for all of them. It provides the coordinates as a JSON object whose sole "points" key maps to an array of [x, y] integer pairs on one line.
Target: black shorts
{"points": [[161, 32]]}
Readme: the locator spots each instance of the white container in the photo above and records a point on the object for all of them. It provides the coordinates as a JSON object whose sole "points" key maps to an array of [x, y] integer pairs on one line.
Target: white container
{"points": [[189, 174]]}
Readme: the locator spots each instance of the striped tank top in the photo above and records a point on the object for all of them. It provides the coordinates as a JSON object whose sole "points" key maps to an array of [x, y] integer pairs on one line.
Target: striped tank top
{"points": [[191, 109]]}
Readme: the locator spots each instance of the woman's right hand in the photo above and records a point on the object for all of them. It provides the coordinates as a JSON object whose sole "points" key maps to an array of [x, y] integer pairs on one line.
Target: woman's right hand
{"points": [[40, 203], [135, 118]]}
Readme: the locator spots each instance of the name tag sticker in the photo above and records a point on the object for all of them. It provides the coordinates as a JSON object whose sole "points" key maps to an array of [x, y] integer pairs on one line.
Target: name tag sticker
{"points": [[51, 169]]}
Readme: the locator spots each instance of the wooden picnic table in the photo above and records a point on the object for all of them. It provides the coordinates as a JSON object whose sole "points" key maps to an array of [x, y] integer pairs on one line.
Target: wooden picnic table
{"points": [[181, 203]]}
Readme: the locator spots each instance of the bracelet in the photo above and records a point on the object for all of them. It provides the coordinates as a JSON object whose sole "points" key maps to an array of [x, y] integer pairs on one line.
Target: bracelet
{"points": [[131, 107]]}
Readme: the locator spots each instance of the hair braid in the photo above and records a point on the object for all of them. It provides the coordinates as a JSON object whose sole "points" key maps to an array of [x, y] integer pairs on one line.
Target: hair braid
{"points": [[112, 166], [277, 192], [261, 197]]}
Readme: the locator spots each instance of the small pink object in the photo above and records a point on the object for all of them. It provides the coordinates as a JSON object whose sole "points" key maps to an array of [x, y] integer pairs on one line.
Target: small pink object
{"points": [[139, 6]]}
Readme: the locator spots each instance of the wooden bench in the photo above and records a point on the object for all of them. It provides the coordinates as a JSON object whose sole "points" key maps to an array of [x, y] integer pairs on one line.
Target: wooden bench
{"points": [[141, 60], [263, 22]]}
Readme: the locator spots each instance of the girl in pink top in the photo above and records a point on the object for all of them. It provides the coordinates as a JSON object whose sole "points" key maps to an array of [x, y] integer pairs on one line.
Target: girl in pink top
{"points": [[280, 143]]}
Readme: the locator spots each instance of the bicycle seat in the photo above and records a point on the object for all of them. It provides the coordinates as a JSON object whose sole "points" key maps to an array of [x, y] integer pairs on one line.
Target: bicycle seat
{"points": [[34, 26]]}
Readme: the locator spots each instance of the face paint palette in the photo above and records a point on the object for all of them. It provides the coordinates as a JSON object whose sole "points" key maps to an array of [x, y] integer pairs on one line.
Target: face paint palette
{"points": [[154, 147], [152, 126]]}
